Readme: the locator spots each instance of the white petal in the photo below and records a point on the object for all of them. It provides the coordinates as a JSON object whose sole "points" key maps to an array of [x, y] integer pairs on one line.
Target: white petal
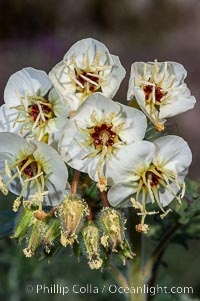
{"points": [[111, 86], [61, 79], [130, 161], [165, 196], [16, 187], [70, 150], [119, 195], [98, 103], [181, 102], [140, 97], [90, 46], [54, 125], [14, 145], [139, 71], [173, 153], [93, 169], [53, 165], [135, 124], [131, 88], [7, 120], [178, 70], [27, 81], [71, 101], [59, 109]]}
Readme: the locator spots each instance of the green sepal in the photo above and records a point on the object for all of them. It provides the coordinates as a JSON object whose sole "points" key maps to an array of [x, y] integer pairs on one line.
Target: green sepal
{"points": [[53, 232], [23, 221]]}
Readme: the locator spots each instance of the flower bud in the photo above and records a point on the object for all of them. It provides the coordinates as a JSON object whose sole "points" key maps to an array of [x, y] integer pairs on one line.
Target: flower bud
{"points": [[35, 238], [71, 213], [113, 227], [125, 252], [52, 233], [90, 234], [23, 222]]}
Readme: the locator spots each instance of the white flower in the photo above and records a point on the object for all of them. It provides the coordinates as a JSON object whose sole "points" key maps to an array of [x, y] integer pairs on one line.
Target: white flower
{"points": [[151, 172], [31, 170], [160, 90], [27, 111], [94, 135], [86, 68]]}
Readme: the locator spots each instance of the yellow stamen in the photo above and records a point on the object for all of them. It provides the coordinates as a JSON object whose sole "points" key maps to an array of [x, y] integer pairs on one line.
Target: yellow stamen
{"points": [[102, 184], [3, 187], [7, 169], [89, 80], [16, 204], [33, 178]]}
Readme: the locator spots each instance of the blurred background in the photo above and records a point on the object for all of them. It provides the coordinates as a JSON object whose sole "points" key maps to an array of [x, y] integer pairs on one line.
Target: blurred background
{"points": [[38, 33]]}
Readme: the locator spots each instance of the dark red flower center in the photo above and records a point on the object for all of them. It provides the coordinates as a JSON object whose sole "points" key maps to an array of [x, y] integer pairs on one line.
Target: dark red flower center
{"points": [[152, 178], [83, 81], [31, 169], [158, 93], [103, 135], [34, 111]]}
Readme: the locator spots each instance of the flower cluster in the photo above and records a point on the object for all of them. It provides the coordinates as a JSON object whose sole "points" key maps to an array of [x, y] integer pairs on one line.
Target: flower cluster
{"points": [[52, 124], [160, 91]]}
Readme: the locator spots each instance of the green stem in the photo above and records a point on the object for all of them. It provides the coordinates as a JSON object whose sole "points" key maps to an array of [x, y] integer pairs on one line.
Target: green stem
{"points": [[136, 277], [119, 277], [155, 269], [159, 250]]}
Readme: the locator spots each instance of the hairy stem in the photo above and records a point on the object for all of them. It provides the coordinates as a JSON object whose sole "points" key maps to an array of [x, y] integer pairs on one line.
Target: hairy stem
{"points": [[90, 215], [136, 277], [75, 181], [104, 199]]}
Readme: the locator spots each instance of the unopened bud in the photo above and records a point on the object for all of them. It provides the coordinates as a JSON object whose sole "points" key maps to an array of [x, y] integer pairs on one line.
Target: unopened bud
{"points": [[125, 252], [113, 227], [23, 222], [52, 233], [37, 234], [90, 235], [71, 213]]}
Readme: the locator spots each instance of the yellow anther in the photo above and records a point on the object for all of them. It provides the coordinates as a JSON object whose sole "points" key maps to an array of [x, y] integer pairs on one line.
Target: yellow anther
{"points": [[3, 187]]}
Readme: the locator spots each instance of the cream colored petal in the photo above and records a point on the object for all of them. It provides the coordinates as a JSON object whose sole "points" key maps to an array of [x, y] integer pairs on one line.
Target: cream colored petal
{"points": [[119, 195], [28, 81], [173, 153]]}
